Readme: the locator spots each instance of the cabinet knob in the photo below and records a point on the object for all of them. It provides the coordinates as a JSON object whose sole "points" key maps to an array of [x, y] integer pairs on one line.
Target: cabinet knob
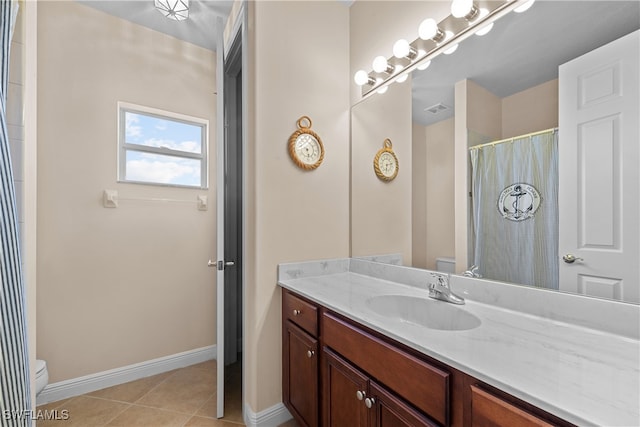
{"points": [[360, 394], [369, 402], [296, 312], [310, 353]]}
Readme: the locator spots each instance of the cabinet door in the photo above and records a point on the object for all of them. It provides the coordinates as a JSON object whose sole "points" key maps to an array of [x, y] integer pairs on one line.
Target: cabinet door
{"points": [[345, 389], [300, 375], [488, 410], [390, 411]]}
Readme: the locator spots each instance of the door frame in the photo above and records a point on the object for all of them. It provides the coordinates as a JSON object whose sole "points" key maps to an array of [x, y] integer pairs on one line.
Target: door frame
{"points": [[240, 29]]}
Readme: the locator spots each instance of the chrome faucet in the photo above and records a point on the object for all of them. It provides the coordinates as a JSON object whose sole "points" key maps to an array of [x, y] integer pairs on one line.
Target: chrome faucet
{"points": [[472, 272], [439, 289]]}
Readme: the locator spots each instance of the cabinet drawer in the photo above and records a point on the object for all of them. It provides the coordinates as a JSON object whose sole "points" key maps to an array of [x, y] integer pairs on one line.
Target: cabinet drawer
{"points": [[300, 312], [419, 383], [488, 410]]}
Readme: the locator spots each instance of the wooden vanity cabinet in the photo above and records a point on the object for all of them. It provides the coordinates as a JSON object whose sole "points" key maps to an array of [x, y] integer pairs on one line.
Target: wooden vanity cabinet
{"points": [[492, 408], [351, 398], [342, 374], [300, 368]]}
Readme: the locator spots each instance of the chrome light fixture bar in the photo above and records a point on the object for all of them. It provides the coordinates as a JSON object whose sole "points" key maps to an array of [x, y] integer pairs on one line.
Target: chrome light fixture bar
{"points": [[178, 10], [474, 17]]}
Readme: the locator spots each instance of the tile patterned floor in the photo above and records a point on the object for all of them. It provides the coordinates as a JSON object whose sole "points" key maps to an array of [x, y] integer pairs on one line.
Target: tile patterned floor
{"points": [[182, 398]]}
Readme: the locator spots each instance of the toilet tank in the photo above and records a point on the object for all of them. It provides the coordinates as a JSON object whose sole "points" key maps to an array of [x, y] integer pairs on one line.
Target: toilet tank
{"points": [[446, 264]]}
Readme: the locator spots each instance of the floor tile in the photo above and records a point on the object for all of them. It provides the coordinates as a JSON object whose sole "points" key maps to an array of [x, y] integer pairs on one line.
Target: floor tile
{"points": [[87, 412], [140, 416], [185, 391], [290, 423], [131, 391], [209, 422]]}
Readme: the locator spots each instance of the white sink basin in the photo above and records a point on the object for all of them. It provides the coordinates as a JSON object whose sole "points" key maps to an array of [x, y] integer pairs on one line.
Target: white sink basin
{"points": [[430, 313]]}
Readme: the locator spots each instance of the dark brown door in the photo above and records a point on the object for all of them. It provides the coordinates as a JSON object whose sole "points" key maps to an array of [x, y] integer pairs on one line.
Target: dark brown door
{"points": [[345, 390], [301, 375], [390, 411]]}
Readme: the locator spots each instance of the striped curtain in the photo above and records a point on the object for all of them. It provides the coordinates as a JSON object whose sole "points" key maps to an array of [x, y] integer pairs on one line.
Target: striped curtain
{"points": [[15, 399], [515, 209]]}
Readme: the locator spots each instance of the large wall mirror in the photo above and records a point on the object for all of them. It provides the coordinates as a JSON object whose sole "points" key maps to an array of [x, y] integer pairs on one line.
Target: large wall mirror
{"points": [[500, 86]]}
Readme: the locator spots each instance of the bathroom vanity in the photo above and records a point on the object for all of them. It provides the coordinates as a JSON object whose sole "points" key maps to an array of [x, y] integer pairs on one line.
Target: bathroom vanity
{"points": [[363, 344]]}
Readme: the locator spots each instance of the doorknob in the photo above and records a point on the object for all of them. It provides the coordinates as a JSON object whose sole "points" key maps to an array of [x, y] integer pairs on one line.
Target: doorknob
{"points": [[221, 264], [570, 258]]}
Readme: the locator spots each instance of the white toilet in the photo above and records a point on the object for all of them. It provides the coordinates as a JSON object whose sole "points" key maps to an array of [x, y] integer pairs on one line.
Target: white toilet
{"points": [[42, 375]]}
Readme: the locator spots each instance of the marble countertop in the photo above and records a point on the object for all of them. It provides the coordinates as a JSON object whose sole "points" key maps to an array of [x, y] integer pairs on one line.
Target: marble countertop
{"points": [[583, 375]]}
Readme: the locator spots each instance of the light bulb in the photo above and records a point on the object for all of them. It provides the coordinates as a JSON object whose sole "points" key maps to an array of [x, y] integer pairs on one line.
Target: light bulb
{"points": [[383, 89], [451, 49], [524, 7], [380, 64], [361, 78], [428, 29], [484, 30], [401, 48], [461, 8], [424, 65], [402, 78]]}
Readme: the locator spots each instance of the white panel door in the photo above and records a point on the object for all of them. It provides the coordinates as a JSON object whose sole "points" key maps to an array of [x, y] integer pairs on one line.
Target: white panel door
{"points": [[599, 162]]}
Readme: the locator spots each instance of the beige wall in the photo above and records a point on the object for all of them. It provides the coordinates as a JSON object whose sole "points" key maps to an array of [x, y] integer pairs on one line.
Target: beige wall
{"points": [[298, 65], [381, 211], [440, 191], [433, 193], [531, 110], [116, 286], [419, 195]]}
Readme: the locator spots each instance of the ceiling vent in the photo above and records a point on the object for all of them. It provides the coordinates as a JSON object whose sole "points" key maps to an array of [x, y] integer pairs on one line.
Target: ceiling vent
{"points": [[435, 109]]}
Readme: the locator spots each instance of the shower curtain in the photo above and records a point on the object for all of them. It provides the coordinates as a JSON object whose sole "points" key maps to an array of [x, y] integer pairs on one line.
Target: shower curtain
{"points": [[15, 400], [515, 209]]}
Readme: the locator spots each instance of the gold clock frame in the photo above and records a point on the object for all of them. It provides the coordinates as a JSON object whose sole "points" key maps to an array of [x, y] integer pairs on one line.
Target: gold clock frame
{"points": [[302, 129], [387, 148]]}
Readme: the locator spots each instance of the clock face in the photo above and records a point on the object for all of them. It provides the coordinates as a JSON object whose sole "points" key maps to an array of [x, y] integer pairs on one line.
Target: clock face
{"points": [[387, 164], [307, 149]]}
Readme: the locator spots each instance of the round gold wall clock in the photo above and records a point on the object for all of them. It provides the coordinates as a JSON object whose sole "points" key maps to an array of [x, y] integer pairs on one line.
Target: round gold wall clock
{"points": [[305, 146], [385, 163]]}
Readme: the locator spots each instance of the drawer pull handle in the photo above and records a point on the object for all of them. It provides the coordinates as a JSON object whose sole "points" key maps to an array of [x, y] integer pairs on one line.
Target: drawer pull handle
{"points": [[296, 312], [360, 394], [369, 402], [310, 353]]}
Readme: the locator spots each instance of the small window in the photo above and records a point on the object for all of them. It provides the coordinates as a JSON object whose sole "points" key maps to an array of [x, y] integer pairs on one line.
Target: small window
{"points": [[162, 148]]}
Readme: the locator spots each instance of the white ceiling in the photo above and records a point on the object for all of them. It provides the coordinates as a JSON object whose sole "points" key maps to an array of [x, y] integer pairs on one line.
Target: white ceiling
{"points": [[200, 29], [523, 50]]}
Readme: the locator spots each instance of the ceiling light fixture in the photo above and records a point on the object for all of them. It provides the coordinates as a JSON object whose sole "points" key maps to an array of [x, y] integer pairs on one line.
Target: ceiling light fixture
{"points": [[178, 10]]}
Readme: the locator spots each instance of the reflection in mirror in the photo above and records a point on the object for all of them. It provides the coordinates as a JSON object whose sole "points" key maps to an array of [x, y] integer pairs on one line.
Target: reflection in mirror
{"points": [[504, 85]]}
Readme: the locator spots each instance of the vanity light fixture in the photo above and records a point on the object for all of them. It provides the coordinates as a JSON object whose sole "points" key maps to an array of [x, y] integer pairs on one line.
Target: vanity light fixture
{"points": [[178, 10], [402, 49], [363, 78], [429, 30], [433, 39], [381, 65], [423, 65], [486, 28], [453, 48], [464, 9], [524, 7]]}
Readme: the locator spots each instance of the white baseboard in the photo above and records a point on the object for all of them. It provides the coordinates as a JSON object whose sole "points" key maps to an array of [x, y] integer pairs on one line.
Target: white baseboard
{"points": [[81, 385], [270, 417]]}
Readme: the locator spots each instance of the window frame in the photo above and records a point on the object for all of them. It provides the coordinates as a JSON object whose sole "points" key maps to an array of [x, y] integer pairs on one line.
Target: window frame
{"points": [[124, 147]]}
